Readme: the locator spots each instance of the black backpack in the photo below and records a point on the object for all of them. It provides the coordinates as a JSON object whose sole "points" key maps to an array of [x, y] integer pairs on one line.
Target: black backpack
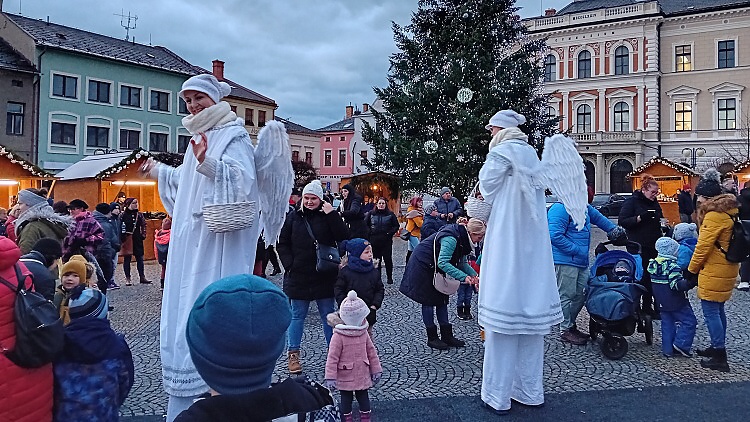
{"points": [[39, 329], [739, 244]]}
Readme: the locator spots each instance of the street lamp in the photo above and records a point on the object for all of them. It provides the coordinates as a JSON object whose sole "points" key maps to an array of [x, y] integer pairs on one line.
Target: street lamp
{"points": [[693, 154]]}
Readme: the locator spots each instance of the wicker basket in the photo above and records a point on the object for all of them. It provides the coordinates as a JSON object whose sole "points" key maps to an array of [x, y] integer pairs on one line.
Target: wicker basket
{"points": [[476, 207], [223, 218]]}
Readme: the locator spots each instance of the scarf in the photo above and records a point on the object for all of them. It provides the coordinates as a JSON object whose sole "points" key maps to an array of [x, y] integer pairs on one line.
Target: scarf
{"points": [[359, 265], [216, 115], [506, 134]]}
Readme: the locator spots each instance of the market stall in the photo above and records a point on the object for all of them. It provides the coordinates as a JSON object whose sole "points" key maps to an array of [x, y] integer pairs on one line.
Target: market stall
{"points": [[742, 172], [671, 177], [104, 178], [17, 174], [375, 185]]}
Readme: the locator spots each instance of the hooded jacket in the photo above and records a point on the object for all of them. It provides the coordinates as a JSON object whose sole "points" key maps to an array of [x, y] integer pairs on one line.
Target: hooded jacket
{"points": [[645, 232], [685, 253], [669, 286], [352, 358], [25, 394], [354, 215], [569, 245], [38, 223], [44, 281], [94, 374], [111, 243], [716, 275]]}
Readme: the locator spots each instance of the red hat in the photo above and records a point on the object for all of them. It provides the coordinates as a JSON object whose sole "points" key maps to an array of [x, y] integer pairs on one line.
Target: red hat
{"points": [[686, 187]]}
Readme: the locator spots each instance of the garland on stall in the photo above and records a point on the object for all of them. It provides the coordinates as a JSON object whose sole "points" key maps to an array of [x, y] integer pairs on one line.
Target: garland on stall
{"points": [[31, 168], [168, 158], [661, 160]]}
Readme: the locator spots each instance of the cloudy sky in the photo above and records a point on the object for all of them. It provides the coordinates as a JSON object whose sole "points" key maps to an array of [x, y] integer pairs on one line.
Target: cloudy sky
{"points": [[312, 57]]}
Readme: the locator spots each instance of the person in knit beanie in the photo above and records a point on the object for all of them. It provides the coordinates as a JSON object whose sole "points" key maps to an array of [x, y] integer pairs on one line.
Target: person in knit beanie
{"points": [[95, 372], [353, 366], [677, 317], [236, 333], [42, 261], [73, 274], [360, 275], [686, 234]]}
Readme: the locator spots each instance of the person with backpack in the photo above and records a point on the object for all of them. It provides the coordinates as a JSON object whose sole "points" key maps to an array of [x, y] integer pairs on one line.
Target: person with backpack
{"points": [[26, 392], [42, 262], [709, 265], [161, 246]]}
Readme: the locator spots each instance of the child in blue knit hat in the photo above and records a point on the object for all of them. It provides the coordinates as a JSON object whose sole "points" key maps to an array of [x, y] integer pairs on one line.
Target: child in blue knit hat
{"points": [[359, 274], [686, 234], [670, 291]]}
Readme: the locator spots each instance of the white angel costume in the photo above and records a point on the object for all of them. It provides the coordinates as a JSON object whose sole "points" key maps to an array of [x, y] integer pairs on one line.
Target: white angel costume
{"points": [[518, 297], [233, 171]]}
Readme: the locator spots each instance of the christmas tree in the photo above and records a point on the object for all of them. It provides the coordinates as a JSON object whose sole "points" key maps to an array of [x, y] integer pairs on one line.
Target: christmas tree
{"points": [[460, 61]]}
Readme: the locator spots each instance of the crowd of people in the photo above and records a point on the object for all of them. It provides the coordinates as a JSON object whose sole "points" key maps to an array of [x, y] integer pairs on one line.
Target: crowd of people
{"points": [[223, 329]]}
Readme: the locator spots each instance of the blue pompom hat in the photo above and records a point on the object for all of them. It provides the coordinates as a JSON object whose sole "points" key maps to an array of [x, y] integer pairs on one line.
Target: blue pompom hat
{"points": [[355, 247], [236, 332]]}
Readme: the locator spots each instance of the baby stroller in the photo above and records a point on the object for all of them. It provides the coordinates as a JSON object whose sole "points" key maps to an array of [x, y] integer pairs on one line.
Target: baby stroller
{"points": [[613, 299]]}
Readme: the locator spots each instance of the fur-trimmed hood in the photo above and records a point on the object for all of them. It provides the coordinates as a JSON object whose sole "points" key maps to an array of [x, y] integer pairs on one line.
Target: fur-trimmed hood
{"points": [[725, 203], [59, 223]]}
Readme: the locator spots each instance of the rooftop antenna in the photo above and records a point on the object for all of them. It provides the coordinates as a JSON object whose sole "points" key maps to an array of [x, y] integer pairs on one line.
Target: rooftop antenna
{"points": [[125, 25]]}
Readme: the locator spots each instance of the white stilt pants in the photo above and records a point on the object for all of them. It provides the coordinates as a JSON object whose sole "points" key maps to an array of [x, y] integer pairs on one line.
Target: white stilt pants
{"points": [[513, 368]]}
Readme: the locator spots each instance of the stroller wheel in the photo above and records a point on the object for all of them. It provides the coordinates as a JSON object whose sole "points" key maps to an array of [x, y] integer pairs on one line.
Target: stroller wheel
{"points": [[593, 329], [648, 329], [614, 347]]}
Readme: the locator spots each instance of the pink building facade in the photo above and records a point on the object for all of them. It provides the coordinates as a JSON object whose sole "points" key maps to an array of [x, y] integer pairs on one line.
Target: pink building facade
{"points": [[335, 151]]}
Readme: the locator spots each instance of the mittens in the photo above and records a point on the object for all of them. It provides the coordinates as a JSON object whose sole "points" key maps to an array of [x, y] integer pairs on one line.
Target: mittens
{"points": [[690, 278], [376, 377], [330, 384]]}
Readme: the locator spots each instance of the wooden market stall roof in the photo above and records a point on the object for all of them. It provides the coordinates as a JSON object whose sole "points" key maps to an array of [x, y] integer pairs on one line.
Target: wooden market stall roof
{"points": [[101, 166], [29, 169], [653, 165]]}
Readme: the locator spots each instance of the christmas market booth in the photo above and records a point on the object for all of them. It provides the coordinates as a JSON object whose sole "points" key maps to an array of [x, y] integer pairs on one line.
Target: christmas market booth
{"points": [[671, 177], [742, 172], [17, 174], [109, 178], [375, 185]]}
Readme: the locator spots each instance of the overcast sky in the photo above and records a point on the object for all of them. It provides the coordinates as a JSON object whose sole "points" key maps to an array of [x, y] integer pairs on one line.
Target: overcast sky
{"points": [[312, 57]]}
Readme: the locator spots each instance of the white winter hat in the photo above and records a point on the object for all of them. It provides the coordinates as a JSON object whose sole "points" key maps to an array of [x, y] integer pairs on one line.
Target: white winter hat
{"points": [[506, 119], [209, 85], [314, 188], [353, 310]]}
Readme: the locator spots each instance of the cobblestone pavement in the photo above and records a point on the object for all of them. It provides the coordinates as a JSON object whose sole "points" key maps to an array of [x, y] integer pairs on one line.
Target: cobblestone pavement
{"points": [[412, 370]]}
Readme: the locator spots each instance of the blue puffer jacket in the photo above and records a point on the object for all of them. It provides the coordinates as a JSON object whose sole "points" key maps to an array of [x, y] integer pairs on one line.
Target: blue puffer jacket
{"points": [[685, 253], [570, 246]]}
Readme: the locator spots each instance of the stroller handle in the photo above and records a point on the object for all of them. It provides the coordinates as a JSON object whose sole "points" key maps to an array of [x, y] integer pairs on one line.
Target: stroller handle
{"points": [[635, 245]]}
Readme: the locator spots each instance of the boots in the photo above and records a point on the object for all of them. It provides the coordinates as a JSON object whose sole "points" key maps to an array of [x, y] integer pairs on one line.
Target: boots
{"points": [[295, 367], [717, 361], [433, 340], [446, 334], [144, 280], [460, 313], [348, 417], [706, 353], [467, 312], [408, 255], [389, 275], [364, 416]]}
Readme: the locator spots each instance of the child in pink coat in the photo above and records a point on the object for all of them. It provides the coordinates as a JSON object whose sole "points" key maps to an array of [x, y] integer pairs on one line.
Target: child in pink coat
{"points": [[353, 365]]}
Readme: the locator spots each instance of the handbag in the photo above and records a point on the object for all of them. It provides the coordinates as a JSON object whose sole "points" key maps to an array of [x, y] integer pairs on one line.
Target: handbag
{"points": [[443, 283], [406, 235], [327, 258]]}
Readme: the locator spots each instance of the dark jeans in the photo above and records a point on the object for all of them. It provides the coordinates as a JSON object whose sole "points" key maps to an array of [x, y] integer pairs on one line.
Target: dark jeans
{"points": [[716, 322], [138, 265], [106, 264], [347, 397], [745, 270], [428, 315], [383, 248], [465, 291]]}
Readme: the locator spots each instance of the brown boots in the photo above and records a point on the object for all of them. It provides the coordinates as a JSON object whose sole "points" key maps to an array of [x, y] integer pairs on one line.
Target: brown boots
{"points": [[295, 366]]}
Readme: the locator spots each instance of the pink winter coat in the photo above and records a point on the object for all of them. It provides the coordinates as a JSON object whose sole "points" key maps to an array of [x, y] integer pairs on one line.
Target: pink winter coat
{"points": [[352, 359]]}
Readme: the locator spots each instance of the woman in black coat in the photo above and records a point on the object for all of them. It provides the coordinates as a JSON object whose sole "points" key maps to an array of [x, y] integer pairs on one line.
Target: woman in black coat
{"points": [[302, 283], [132, 240], [641, 216], [351, 210], [382, 225]]}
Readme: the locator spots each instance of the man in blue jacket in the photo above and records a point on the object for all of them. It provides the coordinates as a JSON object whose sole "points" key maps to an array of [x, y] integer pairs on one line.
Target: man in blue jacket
{"points": [[570, 251], [448, 207]]}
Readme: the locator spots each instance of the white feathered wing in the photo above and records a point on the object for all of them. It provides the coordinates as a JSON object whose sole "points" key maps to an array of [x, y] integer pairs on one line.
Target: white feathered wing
{"points": [[273, 163], [562, 171]]}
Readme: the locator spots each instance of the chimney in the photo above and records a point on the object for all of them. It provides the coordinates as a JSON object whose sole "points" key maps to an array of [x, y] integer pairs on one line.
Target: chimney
{"points": [[365, 108], [218, 69], [349, 111], [550, 12]]}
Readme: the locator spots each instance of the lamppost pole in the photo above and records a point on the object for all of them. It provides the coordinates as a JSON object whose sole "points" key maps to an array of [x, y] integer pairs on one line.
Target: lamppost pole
{"points": [[693, 154]]}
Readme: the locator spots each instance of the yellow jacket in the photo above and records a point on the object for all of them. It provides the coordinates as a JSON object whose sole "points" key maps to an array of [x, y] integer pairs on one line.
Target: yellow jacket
{"points": [[716, 275], [413, 225]]}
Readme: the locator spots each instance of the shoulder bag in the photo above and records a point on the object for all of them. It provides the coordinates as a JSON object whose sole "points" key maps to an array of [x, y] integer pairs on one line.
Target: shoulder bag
{"points": [[327, 258], [443, 283]]}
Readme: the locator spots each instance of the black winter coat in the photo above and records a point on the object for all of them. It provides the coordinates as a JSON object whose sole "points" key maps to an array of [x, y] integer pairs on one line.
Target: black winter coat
{"points": [[648, 230], [430, 226], [744, 199], [382, 225], [369, 286], [297, 252], [354, 216], [420, 270], [44, 281], [111, 244], [685, 203]]}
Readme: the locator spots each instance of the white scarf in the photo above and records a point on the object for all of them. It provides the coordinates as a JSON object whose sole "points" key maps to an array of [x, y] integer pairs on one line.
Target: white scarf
{"points": [[506, 134], [216, 115]]}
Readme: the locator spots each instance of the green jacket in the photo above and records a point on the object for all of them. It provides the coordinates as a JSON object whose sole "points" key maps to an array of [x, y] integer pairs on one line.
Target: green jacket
{"points": [[34, 230]]}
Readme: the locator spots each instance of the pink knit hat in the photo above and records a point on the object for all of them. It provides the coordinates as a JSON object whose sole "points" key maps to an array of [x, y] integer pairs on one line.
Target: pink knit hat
{"points": [[353, 310]]}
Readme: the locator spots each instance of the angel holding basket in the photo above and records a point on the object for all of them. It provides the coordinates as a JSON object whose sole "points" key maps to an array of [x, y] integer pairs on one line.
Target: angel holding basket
{"points": [[518, 298], [215, 198]]}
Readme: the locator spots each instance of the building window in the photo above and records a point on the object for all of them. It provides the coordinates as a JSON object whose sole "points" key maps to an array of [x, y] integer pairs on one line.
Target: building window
{"points": [[182, 106], [233, 108], [157, 142], [727, 113], [342, 138], [328, 139], [327, 158], [261, 118], [249, 121], [97, 137], [363, 154], [99, 91], [550, 112], [683, 58], [726, 54], [342, 158], [63, 134], [182, 143], [65, 86], [584, 64], [683, 115], [308, 157], [130, 139], [583, 113], [549, 68], [14, 122], [159, 101], [622, 117], [295, 155], [130, 96], [622, 60]]}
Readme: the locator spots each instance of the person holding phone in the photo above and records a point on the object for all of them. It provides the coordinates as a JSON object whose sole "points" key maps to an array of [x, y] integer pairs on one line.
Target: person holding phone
{"points": [[641, 217]]}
